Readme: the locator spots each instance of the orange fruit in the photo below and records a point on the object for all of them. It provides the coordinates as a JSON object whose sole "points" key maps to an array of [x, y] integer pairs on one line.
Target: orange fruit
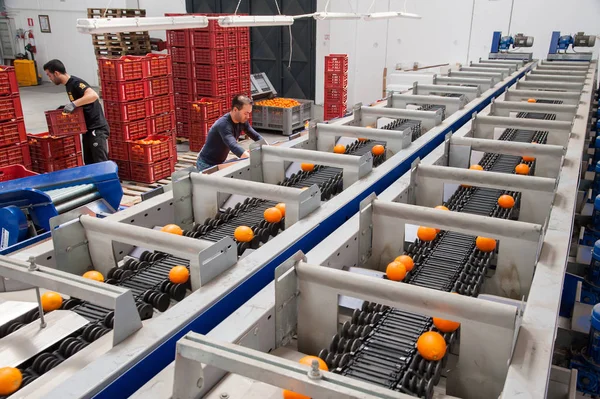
{"points": [[51, 301], [173, 229], [94, 275], [445, 326], [10, 380], [339, 149], [307, 167], [407, 261], [378, 150], [522, 169], [426, 233], [273, 215], [532, 100], [293, 395], [442, 208], [431, 345], [179, 274], [506, 201], [362, 139], [281, 207], [476, 167], [307, 360], [243, 234], [395, 271], [485, 244], [527, 158]]}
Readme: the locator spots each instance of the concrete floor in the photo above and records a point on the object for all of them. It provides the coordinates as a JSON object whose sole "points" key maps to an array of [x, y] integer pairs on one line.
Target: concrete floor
{"points": [[37, 99]]}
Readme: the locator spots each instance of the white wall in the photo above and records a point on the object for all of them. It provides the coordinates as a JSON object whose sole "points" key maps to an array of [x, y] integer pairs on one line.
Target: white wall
{"points": [[74, 49], [443, 35]]}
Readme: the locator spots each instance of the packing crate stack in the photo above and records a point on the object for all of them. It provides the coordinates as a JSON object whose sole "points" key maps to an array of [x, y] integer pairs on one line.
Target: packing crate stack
{"points": [[336, 86], [118, 44], [60, 147], [139, 107], [211, 64], [13, 137]]}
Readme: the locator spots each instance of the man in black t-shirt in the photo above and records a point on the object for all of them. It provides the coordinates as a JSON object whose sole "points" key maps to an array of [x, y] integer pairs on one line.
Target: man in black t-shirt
{"points": [[95, 140]]}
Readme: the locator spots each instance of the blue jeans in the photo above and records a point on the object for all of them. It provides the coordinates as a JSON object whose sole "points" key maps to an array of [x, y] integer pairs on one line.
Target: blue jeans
{"points": [[201, 165]]}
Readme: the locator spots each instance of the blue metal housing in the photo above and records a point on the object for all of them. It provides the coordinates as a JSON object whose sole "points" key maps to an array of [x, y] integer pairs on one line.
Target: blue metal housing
{"points": [[496, 37]]}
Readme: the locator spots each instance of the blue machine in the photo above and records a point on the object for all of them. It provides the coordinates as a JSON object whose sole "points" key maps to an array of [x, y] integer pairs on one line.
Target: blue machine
{"points": [[28, 204], [560, 44], [587, 361], [501, 46]]}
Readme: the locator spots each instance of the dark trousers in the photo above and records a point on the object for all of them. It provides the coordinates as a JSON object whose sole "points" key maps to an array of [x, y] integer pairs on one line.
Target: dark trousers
{"points": [[95, 145]]}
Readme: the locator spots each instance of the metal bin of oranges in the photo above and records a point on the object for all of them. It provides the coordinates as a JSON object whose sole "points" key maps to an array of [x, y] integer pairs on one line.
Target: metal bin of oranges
{"points": [[284, 115]]}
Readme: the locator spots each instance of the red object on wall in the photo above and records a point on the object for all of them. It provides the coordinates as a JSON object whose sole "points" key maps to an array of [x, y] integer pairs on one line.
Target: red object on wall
{"points": [[29, 21]]}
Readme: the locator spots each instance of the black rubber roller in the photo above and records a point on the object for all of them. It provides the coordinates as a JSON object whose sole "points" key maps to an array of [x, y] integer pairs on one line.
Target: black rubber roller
{"points": [[157, 299]]}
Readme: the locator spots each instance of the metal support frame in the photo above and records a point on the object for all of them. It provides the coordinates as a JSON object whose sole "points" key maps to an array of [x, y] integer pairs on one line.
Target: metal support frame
{"points": [[548, 158], [550, 72], [498, 72], [558, 131], [470, 92], [205, 189], [312, 292], [511, 55], [555, 78], [274, 160], [194, 349], [549, 85], [517, 63], [494, 76], [510, 68], [366, 116], [563, 112], [326, 136], [452, 104], [483, 84], [567, 67], [567, 98], [517, 252], [126, 319]]}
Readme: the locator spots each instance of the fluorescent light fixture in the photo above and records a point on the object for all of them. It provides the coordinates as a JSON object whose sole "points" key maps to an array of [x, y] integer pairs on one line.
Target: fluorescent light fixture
{"points": [[381, 15], [256, 20], [409, 15], [336, 15], [116, 25]]}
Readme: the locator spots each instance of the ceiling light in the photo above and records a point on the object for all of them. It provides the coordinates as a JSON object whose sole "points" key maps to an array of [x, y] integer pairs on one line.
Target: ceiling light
{"points": [[256, 20], [137, 24], [336, 15], [409, 15], [381, 15]]}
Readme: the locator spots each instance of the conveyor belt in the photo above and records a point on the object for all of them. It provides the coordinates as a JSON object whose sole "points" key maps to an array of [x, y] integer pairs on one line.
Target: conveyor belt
{"points": [[379, 344]]}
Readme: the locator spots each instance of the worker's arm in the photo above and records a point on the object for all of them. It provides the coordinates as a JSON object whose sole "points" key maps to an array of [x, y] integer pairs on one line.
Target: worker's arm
{"points": [[226, 133], [89, 96], [252, 133]]}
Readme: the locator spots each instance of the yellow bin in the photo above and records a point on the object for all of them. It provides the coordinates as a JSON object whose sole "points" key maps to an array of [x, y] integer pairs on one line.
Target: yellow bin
{"points": [[26, 73]]}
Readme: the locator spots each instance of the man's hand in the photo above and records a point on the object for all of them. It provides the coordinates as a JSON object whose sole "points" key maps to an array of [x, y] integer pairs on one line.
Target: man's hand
{"points": [[246, 154], [70, 107]]}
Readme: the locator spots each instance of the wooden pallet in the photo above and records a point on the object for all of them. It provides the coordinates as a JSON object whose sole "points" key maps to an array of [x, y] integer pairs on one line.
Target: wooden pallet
{"points": [[117, 52], [126, 36], [115, 12], [122, 44]]}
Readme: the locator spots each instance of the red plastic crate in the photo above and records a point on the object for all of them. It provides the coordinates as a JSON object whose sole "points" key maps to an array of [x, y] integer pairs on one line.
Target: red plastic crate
{"points": [[123, 131], [183, 100], [14, 172], [150, 173], [234, 86], [159, 65], [124, 91], [242, 54], [182, 70], [43, 146], [196, 143], [160, 86], [15, 155], [334, 79], [183, 129], [60, 123], [231, 38], [211, 56], [178, 38], [211, 72], [206, 108], [185, 86], [52, 165], [8, 81], [12, 133], [333, 94], [244, 86], [182, 114], [336, 63], [10, 108], [244, 70], [232, 55], [206, 39], [126, 112], [118, 150], [338, 108], [127, 67], [160, 105], [161, 124], [243, 37], [123, 169], [180, 54], [149, 153], [232, 70], [212, 87]]}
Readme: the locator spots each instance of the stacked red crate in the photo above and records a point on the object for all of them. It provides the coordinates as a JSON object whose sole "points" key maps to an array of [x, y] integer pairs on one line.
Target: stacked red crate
{"points": [[13, 137], [203, 113], [336, 85]]}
